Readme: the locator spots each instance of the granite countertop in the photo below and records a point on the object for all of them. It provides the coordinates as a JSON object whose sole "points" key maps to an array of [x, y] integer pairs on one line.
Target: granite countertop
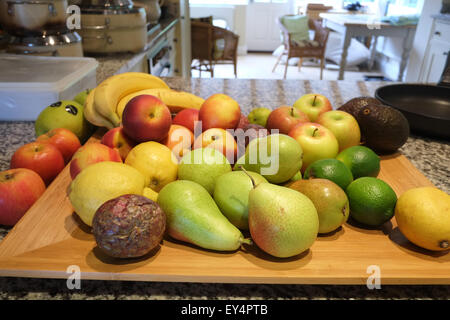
{"points": [[431, 156]]}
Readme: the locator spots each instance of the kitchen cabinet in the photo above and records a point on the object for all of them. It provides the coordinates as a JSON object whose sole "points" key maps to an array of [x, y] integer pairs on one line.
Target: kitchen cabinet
{"points": [[438, 49]]}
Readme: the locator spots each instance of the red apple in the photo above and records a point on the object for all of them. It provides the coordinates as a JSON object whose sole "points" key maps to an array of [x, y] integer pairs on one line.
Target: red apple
{"points": [[65, 140], [19, 190], [116, 138], [219, 111], [92, 153], [316, 141], [41, 157], [220, 140], [313, 104], [243, 122], [344, 127], [186, 118], [179, 140], [285, 118], [146, 118]]}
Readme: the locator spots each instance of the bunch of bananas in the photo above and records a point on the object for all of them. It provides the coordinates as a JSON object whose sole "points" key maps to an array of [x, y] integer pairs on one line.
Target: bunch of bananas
{"points": [[105, 104]]}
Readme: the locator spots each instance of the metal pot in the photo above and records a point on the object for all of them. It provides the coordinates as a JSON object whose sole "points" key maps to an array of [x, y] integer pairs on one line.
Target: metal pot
{"points": [[33, 17], [64, 45], [112, 30]]}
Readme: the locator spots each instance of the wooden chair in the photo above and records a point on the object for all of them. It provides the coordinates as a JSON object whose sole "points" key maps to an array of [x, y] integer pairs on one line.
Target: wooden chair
{"points": [[225, 49], [211, 45], [202, 47], [307, 49]]}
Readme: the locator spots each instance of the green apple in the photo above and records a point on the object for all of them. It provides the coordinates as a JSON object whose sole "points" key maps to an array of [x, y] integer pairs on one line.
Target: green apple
{"points": [[259, 116], [64, 114], [231, 195], [276, 157], [313, 105], [81, 97], [317, 142], [329, 199], [203, 166], [344, 127]]}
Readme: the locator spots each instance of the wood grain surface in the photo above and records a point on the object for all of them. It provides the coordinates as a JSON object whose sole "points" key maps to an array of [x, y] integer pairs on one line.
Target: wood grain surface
{"points": [[50, 238]]}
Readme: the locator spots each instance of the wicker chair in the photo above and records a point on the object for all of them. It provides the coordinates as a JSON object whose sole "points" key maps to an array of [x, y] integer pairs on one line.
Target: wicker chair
{"points": [[211, 45], [308, 49]]}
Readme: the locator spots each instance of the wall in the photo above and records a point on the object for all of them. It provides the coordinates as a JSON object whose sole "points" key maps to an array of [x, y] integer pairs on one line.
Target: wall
{"points": [[420, 44]]}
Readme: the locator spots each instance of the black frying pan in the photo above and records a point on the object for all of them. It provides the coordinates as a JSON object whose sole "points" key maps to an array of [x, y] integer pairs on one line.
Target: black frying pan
{"points": [[427, 107]]}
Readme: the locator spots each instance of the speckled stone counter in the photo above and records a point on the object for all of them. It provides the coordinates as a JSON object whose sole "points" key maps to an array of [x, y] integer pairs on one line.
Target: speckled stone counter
{"points": [[431, 156]]}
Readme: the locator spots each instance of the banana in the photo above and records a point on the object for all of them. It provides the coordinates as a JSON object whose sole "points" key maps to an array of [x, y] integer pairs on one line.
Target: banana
{"points": [[112, 90], [91, 114], [174, 100]]}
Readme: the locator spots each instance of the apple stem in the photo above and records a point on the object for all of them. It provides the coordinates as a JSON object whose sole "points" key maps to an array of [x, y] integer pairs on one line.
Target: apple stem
{"points": [[251, 178], [292, 111], [314, 132], [314, 101]]}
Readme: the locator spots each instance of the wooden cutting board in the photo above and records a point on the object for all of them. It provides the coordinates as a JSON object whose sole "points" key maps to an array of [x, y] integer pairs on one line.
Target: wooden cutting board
{"points": [[50, 238]]}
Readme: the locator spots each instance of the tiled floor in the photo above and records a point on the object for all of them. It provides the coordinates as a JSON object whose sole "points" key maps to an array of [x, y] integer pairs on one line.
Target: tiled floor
{"points": [[260, 65]]}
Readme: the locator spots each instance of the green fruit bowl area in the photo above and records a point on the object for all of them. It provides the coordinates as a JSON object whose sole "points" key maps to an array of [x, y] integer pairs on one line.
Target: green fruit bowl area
{"points": [[277, 179]]}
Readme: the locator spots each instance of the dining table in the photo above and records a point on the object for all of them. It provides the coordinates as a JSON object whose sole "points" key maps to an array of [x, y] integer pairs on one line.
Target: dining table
{"points": [[369, 25]]}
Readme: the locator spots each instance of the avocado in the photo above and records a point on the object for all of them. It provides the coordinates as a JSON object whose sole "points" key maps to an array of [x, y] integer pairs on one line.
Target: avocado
{"points": [[384, 129], [353, 106]]}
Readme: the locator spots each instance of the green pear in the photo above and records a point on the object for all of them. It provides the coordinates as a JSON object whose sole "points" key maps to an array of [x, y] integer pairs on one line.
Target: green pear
{"points": [[193, 216], [330, 201], [282, 221], [277, 157], [64, 114], [81, 96], [231, 195], [204, 166]]}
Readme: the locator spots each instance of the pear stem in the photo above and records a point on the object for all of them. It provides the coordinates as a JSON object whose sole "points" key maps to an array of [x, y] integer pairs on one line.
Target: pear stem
{"points": [[251, 178], [246, 241]]}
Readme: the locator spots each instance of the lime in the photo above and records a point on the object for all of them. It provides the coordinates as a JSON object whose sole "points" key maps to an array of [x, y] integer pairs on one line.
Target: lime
{"points": [[372, 201], [330, 169], [64, 114], [361, 161]]}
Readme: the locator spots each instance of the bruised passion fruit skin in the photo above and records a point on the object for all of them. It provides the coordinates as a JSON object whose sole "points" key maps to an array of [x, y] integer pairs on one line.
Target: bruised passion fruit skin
{"points": [[128, 226]]}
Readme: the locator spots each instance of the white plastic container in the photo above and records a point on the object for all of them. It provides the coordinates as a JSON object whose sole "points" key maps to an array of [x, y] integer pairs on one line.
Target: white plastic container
{"points": [[28, 84]]}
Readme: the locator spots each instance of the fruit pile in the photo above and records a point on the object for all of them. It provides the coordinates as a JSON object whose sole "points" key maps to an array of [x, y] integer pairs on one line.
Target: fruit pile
{"points": [[203, 173]]}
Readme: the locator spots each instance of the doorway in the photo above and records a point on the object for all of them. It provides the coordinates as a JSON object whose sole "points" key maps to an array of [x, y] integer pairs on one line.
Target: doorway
{"points": [[263, 33]]}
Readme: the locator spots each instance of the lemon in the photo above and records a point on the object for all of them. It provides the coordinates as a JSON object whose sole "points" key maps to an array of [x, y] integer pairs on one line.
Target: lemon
{"points": [[423, 216], [331, 169], [156, 162], [372, 201], [361, 161], [151, 194], [101, 182]]}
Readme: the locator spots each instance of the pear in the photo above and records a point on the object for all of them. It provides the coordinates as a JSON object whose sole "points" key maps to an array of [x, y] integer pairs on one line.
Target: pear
{"points": [[204, 166], [193, 216], [282, 222], [277, 157], [231, 195], [330, 201]]}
